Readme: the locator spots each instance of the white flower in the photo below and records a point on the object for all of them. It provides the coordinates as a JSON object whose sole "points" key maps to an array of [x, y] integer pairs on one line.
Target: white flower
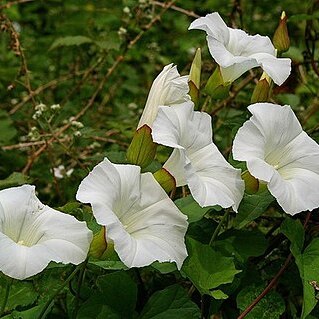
{"points": [[237, 52], [60, 172], [168, 88], [33, 234], [195, 160], [280, 153], [140, 218]]}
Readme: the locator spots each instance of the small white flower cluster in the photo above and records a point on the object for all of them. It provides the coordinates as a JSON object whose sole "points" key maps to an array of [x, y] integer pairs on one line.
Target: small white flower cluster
{"points": [[60, 172], [122, 31], [41, 108], [34, 134]]}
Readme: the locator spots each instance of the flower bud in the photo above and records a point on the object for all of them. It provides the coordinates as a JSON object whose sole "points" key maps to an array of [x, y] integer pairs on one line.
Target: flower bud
{"points": [[142, 149], [281, 38], [98, 244], [194, 76], [216, 87], [165, 179], [262, 89], [251, 183]]}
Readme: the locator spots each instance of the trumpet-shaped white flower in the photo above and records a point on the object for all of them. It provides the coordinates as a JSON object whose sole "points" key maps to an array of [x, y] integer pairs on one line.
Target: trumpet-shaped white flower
{"points": [[237, 52], [168, 88], [33, 234], [195, 160], [280, 153], [141, 220]]}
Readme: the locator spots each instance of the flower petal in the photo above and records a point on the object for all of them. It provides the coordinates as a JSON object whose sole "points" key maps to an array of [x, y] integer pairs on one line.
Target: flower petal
{"points": [[32, 234], [212, 180], [238, 67], [156, 227], [175, 165], [107, 185], [285, 157], [168, 88], [141, 220], [296, 184], [236, 52], [277, 68], [300, 193], [269, 129], [214, 26], [179, 126]]}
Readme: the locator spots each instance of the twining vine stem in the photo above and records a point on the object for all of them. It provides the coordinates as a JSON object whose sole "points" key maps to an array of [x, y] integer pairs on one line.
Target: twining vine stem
{"points": [[273, 281]]}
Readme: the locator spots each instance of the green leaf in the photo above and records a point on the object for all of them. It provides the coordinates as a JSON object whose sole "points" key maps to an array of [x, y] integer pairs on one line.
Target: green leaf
{"points": [[294, 231], [116, 298], [112, 42], [27, 314], [7, 130], [251, 207], [307, 262], [164, 268], [15, 179], [272, 306], [190, 207], [95, 308], [207, 268], [242, 243], [310, 276], [70, 41], [218, 294], [170, 303], [109, 264], [21, 294]]}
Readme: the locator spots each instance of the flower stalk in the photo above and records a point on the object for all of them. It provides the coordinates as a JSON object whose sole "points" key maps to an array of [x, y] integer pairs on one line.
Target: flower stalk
{"points": [[6, 296]]}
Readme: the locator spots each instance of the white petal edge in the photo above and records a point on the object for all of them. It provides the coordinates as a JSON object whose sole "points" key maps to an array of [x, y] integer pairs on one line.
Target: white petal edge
{"points": [[50, 234]]}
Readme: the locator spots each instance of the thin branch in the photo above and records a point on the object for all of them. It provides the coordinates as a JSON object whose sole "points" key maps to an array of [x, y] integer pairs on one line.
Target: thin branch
{"points": [[7, 26], [90, 103], [178, 9], [12, 3], [233, 94], [274, 280]]}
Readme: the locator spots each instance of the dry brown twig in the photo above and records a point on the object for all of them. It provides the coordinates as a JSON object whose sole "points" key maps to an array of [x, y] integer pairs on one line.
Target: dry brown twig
{"points": [[15, 45], [12, 3], [178, 9], [91, 101]]}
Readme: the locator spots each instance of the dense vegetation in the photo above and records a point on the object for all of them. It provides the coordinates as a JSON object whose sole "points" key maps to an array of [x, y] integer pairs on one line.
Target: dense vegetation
{"points": [[90, 65]]}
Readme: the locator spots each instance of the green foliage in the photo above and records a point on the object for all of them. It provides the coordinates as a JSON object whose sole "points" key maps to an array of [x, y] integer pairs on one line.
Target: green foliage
{"points": [[208, 268], [115, 298], [252, 206], [307, 261], [7, 129], [21, 294], [97, 60], [190, 207], [172, 303], [272, 306], [14, 179]]}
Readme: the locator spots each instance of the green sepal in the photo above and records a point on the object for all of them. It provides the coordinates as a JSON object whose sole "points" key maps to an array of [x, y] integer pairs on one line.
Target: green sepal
{"points": [[165, 179], [251, 183], [194, 76], [216, 87], [142, 149], [262, 91], [281, 39], [98, 244]]}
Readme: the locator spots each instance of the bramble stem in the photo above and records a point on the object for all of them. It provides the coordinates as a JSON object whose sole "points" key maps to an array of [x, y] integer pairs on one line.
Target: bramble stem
{"points": [[6, 296], [51, 299], [273, 281], [219, 226]]}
